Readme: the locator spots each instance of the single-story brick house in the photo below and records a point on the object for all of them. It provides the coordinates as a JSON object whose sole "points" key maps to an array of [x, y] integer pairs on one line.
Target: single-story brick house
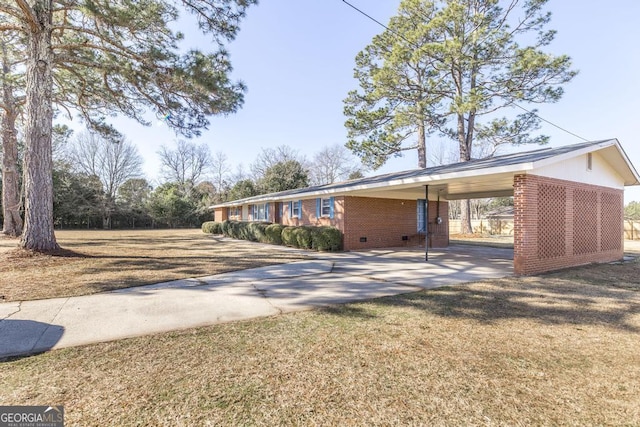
{"points": [[568, 204]]}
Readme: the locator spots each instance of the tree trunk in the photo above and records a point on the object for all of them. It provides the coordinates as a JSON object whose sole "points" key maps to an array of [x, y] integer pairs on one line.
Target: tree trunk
{"points": [[422, 146], [465, 156], [12, 223], [38, 231]]}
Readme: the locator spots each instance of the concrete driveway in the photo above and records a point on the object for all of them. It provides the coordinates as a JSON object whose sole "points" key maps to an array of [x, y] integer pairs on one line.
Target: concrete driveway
{"points": [[34, 326]]}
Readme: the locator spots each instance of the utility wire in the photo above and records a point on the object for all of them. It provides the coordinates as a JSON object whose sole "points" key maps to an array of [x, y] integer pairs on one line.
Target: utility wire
{"points": [[551, 123], [410, 43], [376, 21]]}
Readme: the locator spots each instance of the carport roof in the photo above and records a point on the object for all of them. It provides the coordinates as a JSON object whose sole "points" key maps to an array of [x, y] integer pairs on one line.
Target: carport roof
{"points": [[490, 177]]}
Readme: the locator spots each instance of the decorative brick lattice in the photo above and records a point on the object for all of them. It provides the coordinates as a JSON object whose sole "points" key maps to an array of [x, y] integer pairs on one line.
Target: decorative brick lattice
{"points": [[610, 222], [585, 222], [552, 201]]}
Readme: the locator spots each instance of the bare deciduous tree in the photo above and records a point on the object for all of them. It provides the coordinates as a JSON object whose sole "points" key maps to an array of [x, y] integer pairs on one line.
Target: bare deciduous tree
{"points": [[269, 157], [113, 162], [187, 164], [332, 164], [221, 171]]}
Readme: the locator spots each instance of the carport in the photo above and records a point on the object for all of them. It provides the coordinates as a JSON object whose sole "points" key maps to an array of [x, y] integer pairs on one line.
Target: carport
{"points": [[568, 204]]}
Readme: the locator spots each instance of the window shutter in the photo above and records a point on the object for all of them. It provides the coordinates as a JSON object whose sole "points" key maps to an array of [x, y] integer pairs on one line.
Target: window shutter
{"points": [[318, 208], [290, 209], [299, 208], [331, 202], [266, 211]]}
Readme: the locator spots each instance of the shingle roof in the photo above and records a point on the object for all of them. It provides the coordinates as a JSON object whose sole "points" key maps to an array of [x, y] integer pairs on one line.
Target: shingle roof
{"points": [[475, 164]]}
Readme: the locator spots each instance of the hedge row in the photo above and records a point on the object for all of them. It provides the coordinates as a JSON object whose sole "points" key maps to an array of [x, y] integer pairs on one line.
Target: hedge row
{"points": [[305, 237], [211, 227]]}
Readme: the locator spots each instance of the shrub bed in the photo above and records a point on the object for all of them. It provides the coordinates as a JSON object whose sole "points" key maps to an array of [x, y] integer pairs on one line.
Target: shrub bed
{"points": [[212, 227], [326, 239], [274, 233], [304, 237]]}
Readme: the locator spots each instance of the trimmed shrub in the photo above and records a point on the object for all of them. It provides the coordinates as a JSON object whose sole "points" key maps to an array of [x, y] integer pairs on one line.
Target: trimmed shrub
{"points": [[326, 239], [303, 237], [288, 237], [212, 227], [274, 233], [224, 227], [256, 231]]}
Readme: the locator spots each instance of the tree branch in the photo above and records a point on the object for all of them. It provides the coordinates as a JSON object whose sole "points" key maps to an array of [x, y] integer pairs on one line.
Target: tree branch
{"points": [[12, 11], [96, 34], [11, 28], [28, 15]]}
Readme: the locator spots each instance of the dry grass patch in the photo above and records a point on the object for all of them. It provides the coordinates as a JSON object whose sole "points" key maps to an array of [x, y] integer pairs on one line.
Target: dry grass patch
{"points": [[558, 349], [96, 261], [482, 240]]}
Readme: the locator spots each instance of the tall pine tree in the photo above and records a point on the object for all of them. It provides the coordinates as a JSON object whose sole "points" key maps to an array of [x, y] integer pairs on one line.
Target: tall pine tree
{"points": [[101, 57], [448, 67], [11, 101]]}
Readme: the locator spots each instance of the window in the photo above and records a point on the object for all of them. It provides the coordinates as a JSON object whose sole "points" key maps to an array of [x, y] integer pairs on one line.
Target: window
{"points": [[295, 209], [324, 207], [261, 212]]}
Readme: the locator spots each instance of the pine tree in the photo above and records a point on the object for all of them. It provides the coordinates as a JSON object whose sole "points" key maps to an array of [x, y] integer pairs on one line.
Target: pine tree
{"points": [[101, 57], [11, 102], [449, 67]]}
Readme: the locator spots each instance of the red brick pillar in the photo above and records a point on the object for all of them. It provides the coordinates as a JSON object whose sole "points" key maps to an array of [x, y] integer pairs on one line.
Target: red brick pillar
{"points": [[221, 214], [522, 244]]}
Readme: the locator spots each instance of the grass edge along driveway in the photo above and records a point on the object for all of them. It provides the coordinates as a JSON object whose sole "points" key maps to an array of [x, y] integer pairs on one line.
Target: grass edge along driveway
{"points": [[97, 261]]}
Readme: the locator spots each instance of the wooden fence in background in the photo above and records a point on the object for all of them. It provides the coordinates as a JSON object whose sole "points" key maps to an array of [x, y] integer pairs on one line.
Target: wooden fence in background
{"points": [[505, 227]]}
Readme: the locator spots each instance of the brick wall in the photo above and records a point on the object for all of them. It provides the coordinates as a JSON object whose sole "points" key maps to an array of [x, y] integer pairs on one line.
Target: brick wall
{"points": [[383, 222], [220, 214], [308, 215], [560, 224]]}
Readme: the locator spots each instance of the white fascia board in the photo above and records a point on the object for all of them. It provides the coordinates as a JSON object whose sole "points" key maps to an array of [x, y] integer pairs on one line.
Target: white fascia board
{"points": [[591, 149], [407, 182], [575, 153], [632, 168]]}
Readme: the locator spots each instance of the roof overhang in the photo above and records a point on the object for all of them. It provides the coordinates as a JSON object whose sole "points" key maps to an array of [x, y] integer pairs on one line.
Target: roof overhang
{"points": [[476, 181]]}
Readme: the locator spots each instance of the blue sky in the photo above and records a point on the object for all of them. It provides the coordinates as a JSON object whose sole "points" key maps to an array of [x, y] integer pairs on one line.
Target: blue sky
{"points": [[297, 58]]}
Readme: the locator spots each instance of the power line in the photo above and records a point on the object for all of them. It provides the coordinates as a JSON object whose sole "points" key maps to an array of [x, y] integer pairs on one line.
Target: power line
{"points": [[551, 123], [376, 21], [412, 44]]}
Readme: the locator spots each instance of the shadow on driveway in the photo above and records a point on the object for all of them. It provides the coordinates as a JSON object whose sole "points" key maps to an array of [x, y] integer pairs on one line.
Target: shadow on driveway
{"points": [[27, 337]]}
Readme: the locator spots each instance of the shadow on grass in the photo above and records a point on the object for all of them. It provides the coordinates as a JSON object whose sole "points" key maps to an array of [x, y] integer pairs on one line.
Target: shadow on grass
{"points": [[18, 253], [349, 311], [555, 302]]}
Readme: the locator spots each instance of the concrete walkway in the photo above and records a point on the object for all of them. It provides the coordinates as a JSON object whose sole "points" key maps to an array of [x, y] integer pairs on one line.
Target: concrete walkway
{"points": [[35, 326]]}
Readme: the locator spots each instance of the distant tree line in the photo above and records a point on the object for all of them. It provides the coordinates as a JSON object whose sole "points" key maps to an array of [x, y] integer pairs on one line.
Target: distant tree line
{"points": [[98, 180]]}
